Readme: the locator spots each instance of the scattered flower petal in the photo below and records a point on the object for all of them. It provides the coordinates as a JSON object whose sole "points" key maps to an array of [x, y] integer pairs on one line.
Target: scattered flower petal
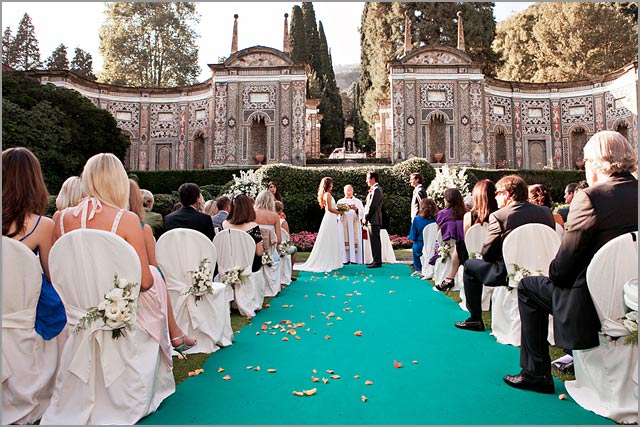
{"points": [[200, 371], [291, 331], [226, 377], [562, 396], [314, 379], [220, 369], [331, 314], [297, 337], [324, 380], [271, 370], [267, 305], [392, 292], [264, 327], [330, 371], [327, 337], [397, 364], [364, 398], [192, 374], [338, 318], [335, 377], [310, 392], [249, 368], [367, 382], [356, 376], [257, 368], [415, 362], [257, 332], [285, 339], [358, 333], [298, 393]]}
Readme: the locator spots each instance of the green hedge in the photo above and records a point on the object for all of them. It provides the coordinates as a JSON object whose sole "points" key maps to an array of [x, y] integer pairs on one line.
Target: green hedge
{"points": [[168, 181]]}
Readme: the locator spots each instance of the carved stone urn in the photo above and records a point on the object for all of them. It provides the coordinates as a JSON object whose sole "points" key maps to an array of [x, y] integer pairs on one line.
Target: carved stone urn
{"points": [[438, 157], [259, 158]]}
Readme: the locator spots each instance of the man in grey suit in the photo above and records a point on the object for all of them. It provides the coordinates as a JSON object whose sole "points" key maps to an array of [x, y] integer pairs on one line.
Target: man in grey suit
{"points": [[515, 210], [605, 210], [415, 180], [373, 218]]}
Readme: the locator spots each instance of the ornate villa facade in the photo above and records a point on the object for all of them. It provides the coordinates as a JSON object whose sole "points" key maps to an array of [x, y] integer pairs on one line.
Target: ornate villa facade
{"points": [[254, 110]]}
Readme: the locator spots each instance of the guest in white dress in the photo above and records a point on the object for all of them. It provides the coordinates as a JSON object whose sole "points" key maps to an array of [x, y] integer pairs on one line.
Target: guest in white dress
{"points": [[326, 254], [350, 227]]}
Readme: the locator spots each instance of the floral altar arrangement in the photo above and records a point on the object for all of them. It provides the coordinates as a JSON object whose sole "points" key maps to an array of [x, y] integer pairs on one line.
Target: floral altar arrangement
{"points": [[249, 182], [233, 277], [201, 280], [116, 310], [447, 177]]}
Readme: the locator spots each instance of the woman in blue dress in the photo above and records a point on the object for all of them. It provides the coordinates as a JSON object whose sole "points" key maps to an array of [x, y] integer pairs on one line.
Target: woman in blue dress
{"points": [[427, 212], [24, 200]]}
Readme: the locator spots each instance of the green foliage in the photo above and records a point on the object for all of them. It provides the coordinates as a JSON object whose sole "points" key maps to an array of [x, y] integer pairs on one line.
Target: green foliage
{"points": [[163, 203], [25, 46], [297, 36], [61, 127], [554, 42], [332, 133], [312, 40], [51, 206], [58, 59], [8, 49], [150, 44], [170, 180], [82, 64]]}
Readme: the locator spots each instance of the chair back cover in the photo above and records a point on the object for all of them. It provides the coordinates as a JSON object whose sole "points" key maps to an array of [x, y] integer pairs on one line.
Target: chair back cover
{"points": [[28, 362], [285, 261], [442, 267], [559, 230], [532, 247], [102, 380], [607, 376], [474, 239], [237, 249], [429, 236], [179, 253], [270, 274]]}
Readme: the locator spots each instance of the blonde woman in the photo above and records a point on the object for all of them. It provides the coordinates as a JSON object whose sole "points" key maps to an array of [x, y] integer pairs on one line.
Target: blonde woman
{"points": [[266, 215], [70, 193], [326, 254]]}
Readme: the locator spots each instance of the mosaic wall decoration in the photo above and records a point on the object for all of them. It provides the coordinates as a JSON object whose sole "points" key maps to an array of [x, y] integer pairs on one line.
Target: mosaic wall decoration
{"points": [[233, 131], [410, 112], [397, 93], [259, 97], [285, 130], [436, 95], [477, 132], [577, 111], [165, 121], [556, 134], [499, 110], [298, 108], [220, 133], [535, 117], [198, 116], [464, 128], [616, 102], [447, 112], [130, 122]]}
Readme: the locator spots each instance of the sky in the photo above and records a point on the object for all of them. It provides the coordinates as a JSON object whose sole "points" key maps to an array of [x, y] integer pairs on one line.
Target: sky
{"points": [[78, 24]]}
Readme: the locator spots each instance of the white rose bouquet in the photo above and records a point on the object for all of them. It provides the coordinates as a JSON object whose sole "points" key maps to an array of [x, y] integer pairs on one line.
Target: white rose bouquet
{"points": [[444, 250], [520, 273], [116, 310], [448, 178], [267, 260], [201, 280], [630, 321], [233, 277], [286, 248], [249, 182]]}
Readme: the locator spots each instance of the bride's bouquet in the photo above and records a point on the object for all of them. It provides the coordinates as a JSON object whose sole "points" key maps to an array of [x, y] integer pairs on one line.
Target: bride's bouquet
{"points": [[201, 281], [341, 207]]}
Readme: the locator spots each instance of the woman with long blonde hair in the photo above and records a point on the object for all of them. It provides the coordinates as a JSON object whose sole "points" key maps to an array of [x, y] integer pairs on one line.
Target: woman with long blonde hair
{"points": [[326, 254]]}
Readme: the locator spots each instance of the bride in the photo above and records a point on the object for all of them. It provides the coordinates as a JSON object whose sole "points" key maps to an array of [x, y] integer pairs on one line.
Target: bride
{"points": [[326, 254]]}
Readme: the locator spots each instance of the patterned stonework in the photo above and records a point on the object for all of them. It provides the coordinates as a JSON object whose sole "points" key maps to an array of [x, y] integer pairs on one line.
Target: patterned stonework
{"points": [[198, 116], [464, 129], [165, 121], [298, 109], [577, 110], [430, 58], [477, 132], [219, 133], [285, 130], [133, 108], [505, 103], [247, 92], [233, 152], [556, 141], [410, 94], [616, 102], [258, 59], [536, 117], [182, 137], [598, 100], [427, 88], [399, 147], [518, 132]]}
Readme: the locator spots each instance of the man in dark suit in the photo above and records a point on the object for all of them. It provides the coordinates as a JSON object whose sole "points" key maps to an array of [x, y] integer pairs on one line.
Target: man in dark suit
{"points": [[188, 216], [605, 210], [419, 193], [568, 197], [373, 218], [511, 194]]}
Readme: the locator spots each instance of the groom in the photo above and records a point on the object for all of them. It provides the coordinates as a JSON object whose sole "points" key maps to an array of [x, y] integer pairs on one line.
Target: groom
{"points": [[373, 218]]}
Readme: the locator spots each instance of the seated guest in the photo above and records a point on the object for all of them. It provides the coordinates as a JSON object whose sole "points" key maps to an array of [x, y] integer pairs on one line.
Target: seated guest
{"points": [[243, 217], [210, 207], [70, 193], [605, 210], [515, 210], [224, 206], [351, 228], [188, 216], [426, 215], [266, 215], [568, 197], [540, 196], [273, 187], [285, 226], [468, 202], [484, 203], [154, 219], [24, 200], [449, 222]]}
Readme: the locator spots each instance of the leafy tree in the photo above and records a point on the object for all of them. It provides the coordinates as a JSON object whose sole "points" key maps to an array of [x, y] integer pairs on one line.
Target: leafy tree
{"points": [[566, 41], [312, 40], [82, 64], [150, 44], [8, 48], [25, 45], [332, 131], [297, 36], [60, 126], [58, 59]]}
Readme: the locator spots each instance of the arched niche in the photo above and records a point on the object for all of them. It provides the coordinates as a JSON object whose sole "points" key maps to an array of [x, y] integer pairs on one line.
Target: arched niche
{"points": [[577, 140]]}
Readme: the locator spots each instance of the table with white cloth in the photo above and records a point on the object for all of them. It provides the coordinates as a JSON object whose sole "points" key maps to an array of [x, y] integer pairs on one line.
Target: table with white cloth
{"points": [[350, 230]]}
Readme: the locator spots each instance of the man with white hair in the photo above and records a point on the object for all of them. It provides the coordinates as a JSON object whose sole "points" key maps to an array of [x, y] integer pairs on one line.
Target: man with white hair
{"points": [[154, 219], [606, 209], [351, 228]]}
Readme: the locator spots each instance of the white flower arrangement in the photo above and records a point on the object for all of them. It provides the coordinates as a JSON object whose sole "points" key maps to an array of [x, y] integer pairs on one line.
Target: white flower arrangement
{"points": [[520, 273], [116, 310], [201, 281], [630, 321], [267, 260], [444, 250], [447, 177], [286, 248], [233, 277], [342, 207], [249, 182]]}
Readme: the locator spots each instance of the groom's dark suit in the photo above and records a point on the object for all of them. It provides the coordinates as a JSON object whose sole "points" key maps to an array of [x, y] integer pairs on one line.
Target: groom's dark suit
{"points": [[373, 216]]}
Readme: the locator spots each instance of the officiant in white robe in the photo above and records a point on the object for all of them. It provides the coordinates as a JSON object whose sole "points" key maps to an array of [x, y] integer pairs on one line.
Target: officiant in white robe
{"points": [[350, 228]]}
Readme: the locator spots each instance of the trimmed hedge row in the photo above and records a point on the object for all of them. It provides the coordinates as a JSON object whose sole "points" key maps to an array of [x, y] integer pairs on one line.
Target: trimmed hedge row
{"points": [[170, 180]]}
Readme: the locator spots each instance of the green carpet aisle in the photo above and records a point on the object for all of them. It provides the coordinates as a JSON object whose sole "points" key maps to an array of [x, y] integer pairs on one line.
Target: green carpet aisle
{"points": [[448, 376]]}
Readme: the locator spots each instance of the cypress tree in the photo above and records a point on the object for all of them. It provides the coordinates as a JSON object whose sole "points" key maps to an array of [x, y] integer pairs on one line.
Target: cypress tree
{"points": [[297, 36], [312, 39], [332, 131]]}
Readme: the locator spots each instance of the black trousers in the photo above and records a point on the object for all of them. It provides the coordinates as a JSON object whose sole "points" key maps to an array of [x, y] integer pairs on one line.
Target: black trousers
{"points": [[478, 273], [535, 302], [376, 245]]}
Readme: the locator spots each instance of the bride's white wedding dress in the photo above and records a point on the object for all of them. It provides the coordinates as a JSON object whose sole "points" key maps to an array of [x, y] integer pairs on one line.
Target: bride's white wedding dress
{"points": [[326, 254]]}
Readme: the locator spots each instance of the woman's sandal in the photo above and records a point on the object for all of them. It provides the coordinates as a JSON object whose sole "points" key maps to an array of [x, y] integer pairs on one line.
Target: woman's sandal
{"points": [[446, 284], [184, 346]]}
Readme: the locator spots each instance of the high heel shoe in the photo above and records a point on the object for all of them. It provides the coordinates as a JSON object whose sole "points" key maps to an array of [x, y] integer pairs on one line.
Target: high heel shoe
{"points": [[184, 346], [446, 285]]}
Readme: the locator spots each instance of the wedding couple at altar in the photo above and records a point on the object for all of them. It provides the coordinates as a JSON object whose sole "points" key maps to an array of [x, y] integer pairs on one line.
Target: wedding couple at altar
{"points": [[340, 237]]}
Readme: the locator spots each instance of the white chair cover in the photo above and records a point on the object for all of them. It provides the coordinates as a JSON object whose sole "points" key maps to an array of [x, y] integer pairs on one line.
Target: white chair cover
{"points": [[631, 294], [388, 256], [28, 362], [559, 230], [102, 380], [606, 376], [531, 246], [442, 266], [474, 240], [270, 275], [285, 262], [429, 236], [236, 249], [179, 252]]}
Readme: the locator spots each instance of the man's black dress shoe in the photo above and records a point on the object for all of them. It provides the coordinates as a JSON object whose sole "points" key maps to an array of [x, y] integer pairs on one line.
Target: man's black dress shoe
{"points": [[374, 265], [471, 325], [526, 381]]}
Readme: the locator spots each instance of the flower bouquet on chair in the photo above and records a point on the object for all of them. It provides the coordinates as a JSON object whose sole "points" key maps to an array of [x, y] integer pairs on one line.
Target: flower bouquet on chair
{"points": [[233, 277], [286, 248], [201, 281]]}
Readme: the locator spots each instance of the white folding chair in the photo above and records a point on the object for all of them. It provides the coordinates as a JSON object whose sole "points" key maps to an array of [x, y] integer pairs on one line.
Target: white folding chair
{"points": [[388, 256], [28, 361], [285, 262], [180, 252], [607, 376], [429, 236], [530, 246], [236, 249], [270, 274], [474, 240], [102, 380]]}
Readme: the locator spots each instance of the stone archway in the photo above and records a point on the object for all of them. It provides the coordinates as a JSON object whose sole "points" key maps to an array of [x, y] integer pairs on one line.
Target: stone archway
{"points": [[577, 140], [198, 152], [537, 150], [163, 157], [257, 139], [438, 138]]}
